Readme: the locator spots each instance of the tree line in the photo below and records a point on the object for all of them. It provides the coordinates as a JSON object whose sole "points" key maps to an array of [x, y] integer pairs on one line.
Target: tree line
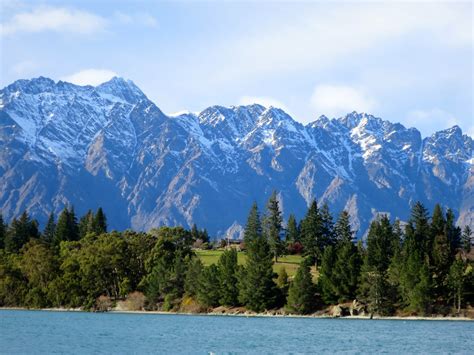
{"points": [[420, 267]]}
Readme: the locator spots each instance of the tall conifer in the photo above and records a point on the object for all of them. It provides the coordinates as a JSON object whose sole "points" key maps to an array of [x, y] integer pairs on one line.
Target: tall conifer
{"points": [[100, 221], [273, 226], [327, 226], [49, 229], [228, 268], [311, 234], [257, 289], [302, 294], [292, 234], [20, 232]]}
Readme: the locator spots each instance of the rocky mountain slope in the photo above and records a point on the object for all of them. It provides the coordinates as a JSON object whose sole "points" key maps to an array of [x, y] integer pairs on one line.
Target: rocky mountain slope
{"points": [[111, 146]]}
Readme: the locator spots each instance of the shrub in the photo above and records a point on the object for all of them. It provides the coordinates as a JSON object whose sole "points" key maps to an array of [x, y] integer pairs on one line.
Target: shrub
{"points": [[103, 304], [295, 248], [135, 302]]}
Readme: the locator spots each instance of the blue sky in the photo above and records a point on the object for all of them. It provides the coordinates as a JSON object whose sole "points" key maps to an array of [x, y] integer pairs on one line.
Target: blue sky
{"points": [[405, 62]]}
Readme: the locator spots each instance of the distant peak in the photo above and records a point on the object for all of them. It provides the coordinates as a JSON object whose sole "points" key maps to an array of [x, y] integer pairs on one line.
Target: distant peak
{"points": [[42, 79], [118, 82], [121, 88], [360, 119], [34, 85], [454, 130], [249, 106], [350, 120], [223, 111], [276, 114]]}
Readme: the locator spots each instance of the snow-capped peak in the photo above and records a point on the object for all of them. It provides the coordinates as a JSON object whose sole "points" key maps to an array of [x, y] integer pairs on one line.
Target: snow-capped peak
{"points": [[121, 89]]}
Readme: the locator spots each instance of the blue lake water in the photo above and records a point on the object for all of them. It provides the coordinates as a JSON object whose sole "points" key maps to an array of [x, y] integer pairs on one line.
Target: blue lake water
{"points": [[78, 332]]}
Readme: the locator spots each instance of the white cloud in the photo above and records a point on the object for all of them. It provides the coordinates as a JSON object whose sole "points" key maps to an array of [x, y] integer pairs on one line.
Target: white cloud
{"points": [[337, 100], [24, 68], [90, 77], [136, 18], [262, 100], [53, 19], [335, 33], [432, 120]]}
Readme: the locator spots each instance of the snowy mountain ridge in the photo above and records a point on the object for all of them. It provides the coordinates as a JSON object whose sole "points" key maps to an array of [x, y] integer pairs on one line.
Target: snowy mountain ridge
{"points": [[111, 146]]}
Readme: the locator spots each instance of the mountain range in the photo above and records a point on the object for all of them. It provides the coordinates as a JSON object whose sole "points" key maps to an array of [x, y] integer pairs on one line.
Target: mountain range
{"points": [[109, 145]]}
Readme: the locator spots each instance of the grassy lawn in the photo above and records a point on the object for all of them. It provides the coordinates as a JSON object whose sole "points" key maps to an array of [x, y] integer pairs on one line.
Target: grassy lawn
{"points": [[289, 262], [209, 257]]}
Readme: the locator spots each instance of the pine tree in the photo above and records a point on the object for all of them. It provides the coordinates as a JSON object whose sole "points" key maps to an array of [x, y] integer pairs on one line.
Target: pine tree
{"points": [[340, 267], [347, 271], [456, 283], [292, 234], [253, 229], [441, 263], [227, 266], [62, 227], [327, 281], [301, 294], [327, 226], [342, 228], [192, 277], [348, 262], [66, 228], [177, 277], [398, 236], [374, 287], [376, 291], [311, 234], [397, 262], [453, 233], [415, 254], [421, 294], [20, 232], [100, 222], [438, 222], [49, 229], [273, 226], [257, 289], [418, 233], [86, 224], [380, 241], [208, 290], [73, 225]]}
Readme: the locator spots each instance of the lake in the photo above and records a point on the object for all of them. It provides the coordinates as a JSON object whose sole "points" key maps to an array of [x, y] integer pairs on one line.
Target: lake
{"points": [[80, 332]]}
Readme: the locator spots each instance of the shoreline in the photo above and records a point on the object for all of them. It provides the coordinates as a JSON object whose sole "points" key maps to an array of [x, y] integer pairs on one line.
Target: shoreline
{"points": [[250, 315]]}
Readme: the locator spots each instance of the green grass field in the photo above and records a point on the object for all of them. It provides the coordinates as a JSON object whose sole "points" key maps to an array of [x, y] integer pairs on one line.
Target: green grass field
{"points": [[289, 262]]}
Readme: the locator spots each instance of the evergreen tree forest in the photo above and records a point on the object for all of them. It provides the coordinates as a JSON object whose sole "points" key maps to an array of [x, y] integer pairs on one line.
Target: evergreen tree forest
{"points": [[419, 267]]}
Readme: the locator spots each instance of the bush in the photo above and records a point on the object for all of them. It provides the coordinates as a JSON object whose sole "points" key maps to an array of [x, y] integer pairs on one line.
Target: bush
{"points": [[169, 303], [135, 302], [295, 248], [103, 304]]}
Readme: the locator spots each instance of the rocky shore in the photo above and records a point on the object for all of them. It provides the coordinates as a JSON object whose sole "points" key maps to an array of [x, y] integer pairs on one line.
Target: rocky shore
{"points": [[346, 311]]}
